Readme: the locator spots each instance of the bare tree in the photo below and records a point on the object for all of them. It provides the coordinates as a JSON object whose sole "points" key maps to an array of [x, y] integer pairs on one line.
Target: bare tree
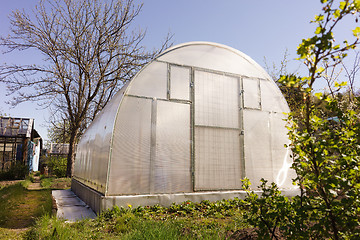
{"points": [[351, 74], [90, 52], [276, 71]]}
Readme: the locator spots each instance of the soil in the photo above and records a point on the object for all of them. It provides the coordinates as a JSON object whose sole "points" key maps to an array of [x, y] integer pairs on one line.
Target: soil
{"points": [[8, 183], [244, 234], [61, 183]]}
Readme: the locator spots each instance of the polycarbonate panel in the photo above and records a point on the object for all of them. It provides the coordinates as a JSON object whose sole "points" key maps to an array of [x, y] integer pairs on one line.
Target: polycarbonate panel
{"points": [[172, 162], [272, 99], [216, 100], [151, 81], [280, 154], [179, 83], [217, 159], [92, 156], [130, 157], [214, 56], [257, 146], [251, 93]]}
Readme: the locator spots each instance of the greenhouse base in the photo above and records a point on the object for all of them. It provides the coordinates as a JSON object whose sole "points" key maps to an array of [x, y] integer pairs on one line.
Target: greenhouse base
{"points": [[98, 202]]}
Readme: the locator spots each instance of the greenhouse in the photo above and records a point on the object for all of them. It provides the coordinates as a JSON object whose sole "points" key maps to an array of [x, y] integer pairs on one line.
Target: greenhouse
{"points": [[189, 126]]}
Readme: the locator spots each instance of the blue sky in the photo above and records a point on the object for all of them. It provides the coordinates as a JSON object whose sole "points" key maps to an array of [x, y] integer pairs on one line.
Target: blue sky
{"points": [[259, 28]]}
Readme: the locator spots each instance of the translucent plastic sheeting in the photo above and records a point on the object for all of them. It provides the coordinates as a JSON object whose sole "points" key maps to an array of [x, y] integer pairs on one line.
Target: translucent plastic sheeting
{"points": [[280, 154], [92, 157], [148, 150], [179, 83], [171, 166], [251, 93], [130, 157], [217, 159], [216, 100], [272, 99], [151, 81], [258, 146], [213, 56]]}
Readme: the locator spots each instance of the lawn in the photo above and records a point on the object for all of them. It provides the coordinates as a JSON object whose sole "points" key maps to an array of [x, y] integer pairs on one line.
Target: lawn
{"points": [[20, 208], [27, 215], [205, 220]]}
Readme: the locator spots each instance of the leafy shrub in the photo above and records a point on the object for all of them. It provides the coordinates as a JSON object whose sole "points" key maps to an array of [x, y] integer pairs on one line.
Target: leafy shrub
{"points": [[15, 172], [57, 166], [325, 144]]}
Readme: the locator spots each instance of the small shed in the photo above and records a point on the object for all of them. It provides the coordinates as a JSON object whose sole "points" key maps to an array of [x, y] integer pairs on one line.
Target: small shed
{"points": [[58, 149], [189, 126], [19, 143]]}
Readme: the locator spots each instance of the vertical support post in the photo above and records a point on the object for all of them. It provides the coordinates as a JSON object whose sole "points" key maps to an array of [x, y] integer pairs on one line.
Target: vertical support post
{"points": [[168, 82], [3, 156], [241, 127], [153, 144], [259, 91], [14, 151], [192, 126]]}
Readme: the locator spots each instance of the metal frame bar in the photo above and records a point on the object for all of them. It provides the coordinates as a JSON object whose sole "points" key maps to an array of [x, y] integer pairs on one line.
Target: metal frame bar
{"points": [[169, 82], [3, 156], [217, 127], [192, 126], [153, 144], [259, 92], [241, 126], [208, 70], [160, 99]]}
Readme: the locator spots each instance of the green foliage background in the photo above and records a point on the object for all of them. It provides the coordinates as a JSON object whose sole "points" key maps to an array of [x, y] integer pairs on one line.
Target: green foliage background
{"points": [[57, 165], [325, 142]]}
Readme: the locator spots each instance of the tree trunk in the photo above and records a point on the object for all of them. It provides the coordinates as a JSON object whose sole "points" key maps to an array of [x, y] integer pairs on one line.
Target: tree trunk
{"points": [[71, 154]]}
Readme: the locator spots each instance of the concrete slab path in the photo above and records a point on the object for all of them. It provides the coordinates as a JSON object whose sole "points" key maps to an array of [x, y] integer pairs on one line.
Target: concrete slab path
{"points": [[70, 207]]}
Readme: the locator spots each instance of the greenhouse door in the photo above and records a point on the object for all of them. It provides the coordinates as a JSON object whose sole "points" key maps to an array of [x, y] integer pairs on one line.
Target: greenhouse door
{"points": [[217, 123]]}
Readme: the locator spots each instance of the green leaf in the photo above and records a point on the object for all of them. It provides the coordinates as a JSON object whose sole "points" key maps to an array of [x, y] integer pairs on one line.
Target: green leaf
{"points": [[320, 69], [318, 95], [342, 5], [357, 5], [337, 13], [318, 30], [356, 32], [339, 85], [319, 18]]}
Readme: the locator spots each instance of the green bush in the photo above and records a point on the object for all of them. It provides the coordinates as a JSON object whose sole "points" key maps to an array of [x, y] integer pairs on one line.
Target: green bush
{"points": [[57, 166], [15, 172], [325, 145]]}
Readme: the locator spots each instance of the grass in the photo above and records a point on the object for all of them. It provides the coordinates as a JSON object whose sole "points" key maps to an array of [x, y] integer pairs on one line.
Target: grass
{"points": [[27, 215], [11, 234], [205, 220], [20, 207], [56, 183]]}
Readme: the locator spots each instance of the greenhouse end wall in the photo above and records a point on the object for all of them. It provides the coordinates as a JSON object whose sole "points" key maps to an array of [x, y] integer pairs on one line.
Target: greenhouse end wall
{"points": [[193, 122]]}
